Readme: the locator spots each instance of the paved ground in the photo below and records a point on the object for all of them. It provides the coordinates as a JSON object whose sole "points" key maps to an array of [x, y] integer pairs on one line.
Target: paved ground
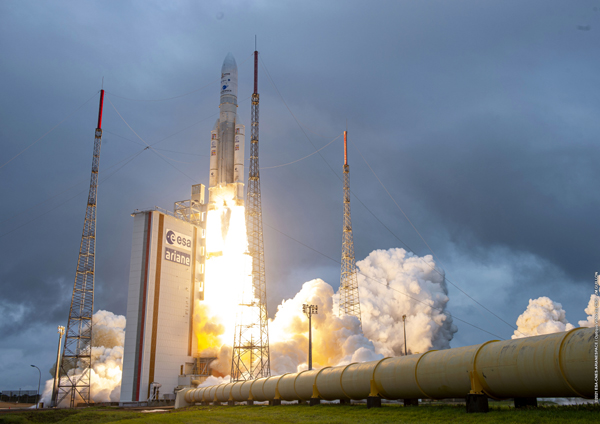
{"points": [[11, 405]]}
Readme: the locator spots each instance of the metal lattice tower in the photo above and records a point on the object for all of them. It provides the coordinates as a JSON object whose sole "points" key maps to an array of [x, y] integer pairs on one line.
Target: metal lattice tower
{"points": [[349, 300], [75, 367], [250, 359]]}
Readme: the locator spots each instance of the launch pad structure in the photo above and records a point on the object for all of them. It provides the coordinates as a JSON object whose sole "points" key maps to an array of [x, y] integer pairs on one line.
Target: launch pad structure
{"points": [[166, 280], [349, 299], [167, 277], [76, 364], [251, 358]]}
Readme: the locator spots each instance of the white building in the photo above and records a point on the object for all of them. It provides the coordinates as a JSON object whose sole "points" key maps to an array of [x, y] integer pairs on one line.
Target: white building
{"points": [[165, 280]]}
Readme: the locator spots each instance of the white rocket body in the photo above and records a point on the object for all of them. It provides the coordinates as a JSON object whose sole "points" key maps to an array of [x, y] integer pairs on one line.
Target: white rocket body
{"points": [[227, 141]]}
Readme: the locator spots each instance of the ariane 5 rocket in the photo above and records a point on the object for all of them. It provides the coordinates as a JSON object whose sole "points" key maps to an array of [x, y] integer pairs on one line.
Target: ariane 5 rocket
{"points": [[227, 140]]}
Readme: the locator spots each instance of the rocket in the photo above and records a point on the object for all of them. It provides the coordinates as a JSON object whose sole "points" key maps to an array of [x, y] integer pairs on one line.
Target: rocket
{"points": [[226, 183]]}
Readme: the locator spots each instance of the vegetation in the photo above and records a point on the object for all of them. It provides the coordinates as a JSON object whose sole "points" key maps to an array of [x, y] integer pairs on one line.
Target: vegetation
{"points": [[327, 413]]}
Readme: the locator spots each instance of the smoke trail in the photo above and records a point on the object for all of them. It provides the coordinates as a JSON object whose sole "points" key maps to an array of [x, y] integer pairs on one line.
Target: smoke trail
{"points": [[542, 316]]}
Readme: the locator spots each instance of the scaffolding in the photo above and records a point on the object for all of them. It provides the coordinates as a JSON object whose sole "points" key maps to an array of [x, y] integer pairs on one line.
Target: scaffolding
{"points": [[76, 363], [250, 357], [202, 366], [349, 300], [194, 209]]}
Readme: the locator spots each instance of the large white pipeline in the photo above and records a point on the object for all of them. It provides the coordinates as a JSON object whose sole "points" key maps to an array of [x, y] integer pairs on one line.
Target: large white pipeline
{"points": [[552, 365]]}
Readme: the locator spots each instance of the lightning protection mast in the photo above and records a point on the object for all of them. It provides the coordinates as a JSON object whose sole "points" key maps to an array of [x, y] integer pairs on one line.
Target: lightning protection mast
{"points": [[75, 367], [250, 359], [349, 301]]}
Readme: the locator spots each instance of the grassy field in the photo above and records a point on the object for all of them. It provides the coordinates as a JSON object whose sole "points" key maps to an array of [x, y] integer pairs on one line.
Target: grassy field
{"points": [[305, 414]]}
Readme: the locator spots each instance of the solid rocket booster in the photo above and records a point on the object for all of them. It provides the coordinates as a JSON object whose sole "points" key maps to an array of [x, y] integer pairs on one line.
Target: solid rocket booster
{"points": [[227, 143]]}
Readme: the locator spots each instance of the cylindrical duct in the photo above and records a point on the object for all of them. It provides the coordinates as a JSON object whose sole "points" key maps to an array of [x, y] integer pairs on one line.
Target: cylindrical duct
{"points": [[304, 383], [552, 365], [245, 389], [444, 373], [189, 398], [210, 394], [224, 392], [236, 391], [270, 387], [257, 390], [286, 387], [356, 379], [329, 383]]}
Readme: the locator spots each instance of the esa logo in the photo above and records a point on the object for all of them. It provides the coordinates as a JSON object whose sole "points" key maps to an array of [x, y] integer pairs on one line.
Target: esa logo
{"points": [[178, 240]]}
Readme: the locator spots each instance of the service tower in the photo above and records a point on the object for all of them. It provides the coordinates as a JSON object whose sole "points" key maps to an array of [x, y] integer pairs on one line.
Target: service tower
{"points": [[349, 300]]}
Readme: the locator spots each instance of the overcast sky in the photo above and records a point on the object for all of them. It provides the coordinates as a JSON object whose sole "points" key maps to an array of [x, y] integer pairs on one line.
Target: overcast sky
{"points": [[480, 118]]}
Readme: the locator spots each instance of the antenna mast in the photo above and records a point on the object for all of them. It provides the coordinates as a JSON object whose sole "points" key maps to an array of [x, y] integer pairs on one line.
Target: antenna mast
{"points": [[76, 363], [250, 359], [349, 300]]}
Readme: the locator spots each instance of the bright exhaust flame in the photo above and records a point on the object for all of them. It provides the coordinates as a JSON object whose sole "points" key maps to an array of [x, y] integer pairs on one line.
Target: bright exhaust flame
{"points": [[228, 280]]}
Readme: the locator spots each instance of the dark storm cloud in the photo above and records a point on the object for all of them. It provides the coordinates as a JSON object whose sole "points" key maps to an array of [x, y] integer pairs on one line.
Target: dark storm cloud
{"points": [[479, 117]]}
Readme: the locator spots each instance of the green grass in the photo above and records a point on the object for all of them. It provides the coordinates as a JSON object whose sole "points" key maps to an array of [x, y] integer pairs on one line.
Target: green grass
{"points": [[316, 414]]}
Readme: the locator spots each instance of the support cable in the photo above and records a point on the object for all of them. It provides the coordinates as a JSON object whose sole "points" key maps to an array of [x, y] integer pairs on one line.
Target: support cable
{"points": [[70, 198], [48, 132], [298, 160], [384, 284], [160, 155], [427, 244], [361, 202], [441, 310], [21, 212]]}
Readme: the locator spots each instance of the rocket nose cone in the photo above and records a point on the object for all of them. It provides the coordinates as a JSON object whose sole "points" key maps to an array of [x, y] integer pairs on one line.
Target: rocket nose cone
{"points": [[229, 64], [229, 78]]}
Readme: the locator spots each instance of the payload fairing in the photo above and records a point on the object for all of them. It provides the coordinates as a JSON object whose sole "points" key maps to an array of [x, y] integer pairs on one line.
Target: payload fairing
{"points": [[226, 182]]}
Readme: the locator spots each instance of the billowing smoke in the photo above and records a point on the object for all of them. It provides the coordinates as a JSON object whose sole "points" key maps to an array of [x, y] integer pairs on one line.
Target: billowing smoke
{"points": [[393, 283], [108, 329], [336, 340], [386, 278], [108, 336], [591, 309], [542, 316]]}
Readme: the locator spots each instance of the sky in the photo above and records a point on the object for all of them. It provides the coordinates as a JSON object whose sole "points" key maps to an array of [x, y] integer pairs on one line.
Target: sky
{"points": [[479, 118]]}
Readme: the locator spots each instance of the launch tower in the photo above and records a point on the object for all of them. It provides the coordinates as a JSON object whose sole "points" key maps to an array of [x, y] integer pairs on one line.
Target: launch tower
{"points": [[75, 367], [349, 301], [250, 359]]}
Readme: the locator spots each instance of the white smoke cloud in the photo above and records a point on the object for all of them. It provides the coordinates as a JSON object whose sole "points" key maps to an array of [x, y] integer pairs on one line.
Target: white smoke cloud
{"points": [[220, 367], [336, 340], [214, 381], [590, 310], [108, 336], [341, 340], [542, 316], [386, 278], [109, 329]]}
